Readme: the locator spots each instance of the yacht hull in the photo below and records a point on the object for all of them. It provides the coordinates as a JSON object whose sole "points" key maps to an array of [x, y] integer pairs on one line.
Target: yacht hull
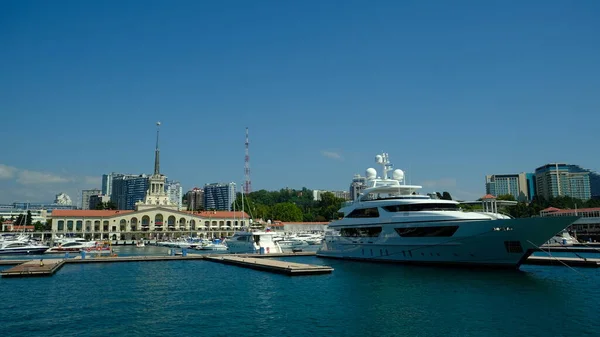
{"points": [[24, 251], [494, 243]]}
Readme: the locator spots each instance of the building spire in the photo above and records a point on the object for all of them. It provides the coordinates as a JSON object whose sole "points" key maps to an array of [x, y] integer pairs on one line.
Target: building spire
{"points": [[157, 152]]}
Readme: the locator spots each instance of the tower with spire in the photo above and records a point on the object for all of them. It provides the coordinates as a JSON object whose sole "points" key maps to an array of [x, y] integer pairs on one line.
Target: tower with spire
{"points": [[156, 195]]}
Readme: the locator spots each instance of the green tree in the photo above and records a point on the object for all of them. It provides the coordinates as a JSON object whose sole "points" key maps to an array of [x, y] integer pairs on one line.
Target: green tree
{"points": [[471, 207], [521, 210], [329, 206], [38, 226], [48, 226], [106, 205], [28, 219], [506, 197], [286, 211]]}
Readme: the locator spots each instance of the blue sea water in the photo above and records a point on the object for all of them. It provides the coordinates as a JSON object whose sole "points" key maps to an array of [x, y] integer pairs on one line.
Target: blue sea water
{"points": [[201, 298]]}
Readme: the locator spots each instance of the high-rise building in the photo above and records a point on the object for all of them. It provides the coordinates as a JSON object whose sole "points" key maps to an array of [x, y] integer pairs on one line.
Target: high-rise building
{"points": [[317, 194], [559, 179], [195, 199], [127, 189], [98, 199], [595, 184], [517, 185], [219, 196], [342, 194], [594, 181], [85, 197], [357, 186], [107, 183], [175, 193]]}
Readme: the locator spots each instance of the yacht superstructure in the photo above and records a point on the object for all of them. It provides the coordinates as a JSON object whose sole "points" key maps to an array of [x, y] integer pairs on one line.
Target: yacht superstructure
{"points": [[390, 222]]}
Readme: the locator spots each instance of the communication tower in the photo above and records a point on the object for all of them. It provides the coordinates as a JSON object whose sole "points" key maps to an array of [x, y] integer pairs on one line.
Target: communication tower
{"points": [[248, 183]]}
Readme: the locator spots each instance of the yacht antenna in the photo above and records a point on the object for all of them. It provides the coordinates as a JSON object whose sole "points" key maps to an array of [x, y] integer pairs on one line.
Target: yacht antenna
{"points": [[386, 165]]}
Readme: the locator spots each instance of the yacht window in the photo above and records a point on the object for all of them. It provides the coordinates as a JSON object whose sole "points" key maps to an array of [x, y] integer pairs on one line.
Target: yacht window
{"points": [[242, 238], [513, 246], [361, 232], [364, 213], [426, 231], [421, 207]]}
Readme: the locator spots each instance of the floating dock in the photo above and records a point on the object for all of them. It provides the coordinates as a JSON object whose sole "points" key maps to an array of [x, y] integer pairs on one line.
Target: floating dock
{"points": [[275, 266], [28, 268], [563, 261], [568, 249], [31, 268], [109, 259], [34, 268]]}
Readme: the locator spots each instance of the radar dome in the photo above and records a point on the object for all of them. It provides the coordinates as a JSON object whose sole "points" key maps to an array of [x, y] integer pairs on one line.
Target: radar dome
{"points": [[398, 174], [371, 173], [378, 159]]}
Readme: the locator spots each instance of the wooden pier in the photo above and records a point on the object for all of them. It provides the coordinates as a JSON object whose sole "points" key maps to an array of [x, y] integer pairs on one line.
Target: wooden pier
{"points": [[275, 266], [34, 268]]}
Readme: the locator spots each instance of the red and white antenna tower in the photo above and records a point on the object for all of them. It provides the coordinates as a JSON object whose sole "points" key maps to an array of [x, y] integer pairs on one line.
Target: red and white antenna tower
{"points": [[248, 184]]}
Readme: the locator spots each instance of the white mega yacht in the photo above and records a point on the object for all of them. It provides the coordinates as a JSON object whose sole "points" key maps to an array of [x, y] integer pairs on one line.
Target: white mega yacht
{"points": [[390, 222]]}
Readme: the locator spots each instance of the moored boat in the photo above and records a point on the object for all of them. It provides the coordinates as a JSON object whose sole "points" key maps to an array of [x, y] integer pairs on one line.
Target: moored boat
{"points": [[72, 246], [390, 222], [22, 247], [253, 242]]}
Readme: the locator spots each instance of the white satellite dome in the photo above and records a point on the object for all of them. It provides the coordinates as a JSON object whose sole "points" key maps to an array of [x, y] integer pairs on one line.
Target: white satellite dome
{"points": [[398, 174], [378, 159], [371, 173]]}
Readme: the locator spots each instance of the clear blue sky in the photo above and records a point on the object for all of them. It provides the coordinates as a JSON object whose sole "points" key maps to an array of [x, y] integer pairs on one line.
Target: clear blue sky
{"points": [[452, 90]]}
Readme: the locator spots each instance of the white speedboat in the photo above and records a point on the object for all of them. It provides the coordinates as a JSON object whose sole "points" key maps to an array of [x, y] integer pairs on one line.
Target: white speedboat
{"points": [[253, 242], [22, 247], [311, 239], [72, 246], [292, 244], [390, 222], [562, 239], [215, 245]]}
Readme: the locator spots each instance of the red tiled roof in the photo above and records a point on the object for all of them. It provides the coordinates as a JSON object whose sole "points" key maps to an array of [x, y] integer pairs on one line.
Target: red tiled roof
{"points": [[109, 213], [20, 228], [488, 196], [87, 212], [281, 223], [220, 214], [305, 223], [558, 210], [551, 209]]}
